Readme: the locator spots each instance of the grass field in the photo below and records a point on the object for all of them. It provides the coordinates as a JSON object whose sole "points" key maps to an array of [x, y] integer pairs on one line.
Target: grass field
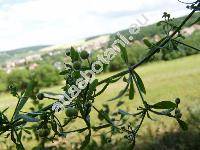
{"points": [[163, 81]]}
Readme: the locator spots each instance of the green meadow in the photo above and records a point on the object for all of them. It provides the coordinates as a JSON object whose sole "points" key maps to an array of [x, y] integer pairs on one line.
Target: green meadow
{"points": [[164, 80]]}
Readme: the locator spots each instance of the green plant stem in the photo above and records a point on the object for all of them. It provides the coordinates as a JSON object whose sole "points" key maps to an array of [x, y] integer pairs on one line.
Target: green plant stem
{"points": [[186, 45], [154, 50]]}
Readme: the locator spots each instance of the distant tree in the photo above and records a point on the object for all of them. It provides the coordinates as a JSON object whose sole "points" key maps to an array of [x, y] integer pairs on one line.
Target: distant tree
{"points": [[3, 82], [19, 78], [47, 75]]}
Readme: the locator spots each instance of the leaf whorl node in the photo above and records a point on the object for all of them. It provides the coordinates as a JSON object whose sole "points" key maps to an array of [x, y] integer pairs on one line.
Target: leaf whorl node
{"points": [[67, 52], [71, 112], [84, 54], [177, 100], [77, 65]]}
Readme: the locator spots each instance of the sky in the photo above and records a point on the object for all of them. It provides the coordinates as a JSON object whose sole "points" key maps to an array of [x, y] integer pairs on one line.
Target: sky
{"points": [[49, 22]]}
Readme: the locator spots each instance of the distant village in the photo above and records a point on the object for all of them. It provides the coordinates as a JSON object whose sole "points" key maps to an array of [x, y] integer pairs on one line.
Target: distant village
{"points": [[90, 45], [31, 60]]}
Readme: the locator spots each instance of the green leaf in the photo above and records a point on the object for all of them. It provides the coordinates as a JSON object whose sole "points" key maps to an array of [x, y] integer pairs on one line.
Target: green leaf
{"points": [[123, 53], [174, 45], [13, 137], [92, 87], [82, 130], [74, 55], [120, 103], [64, 72], [140, 83], [164, 105], [121, 93], [20, 134], [24, 98], [102, 90], [182, 124], [27, 118], [115, 80], [86, 141], [147, 43], [101, 127], [122, 112], [27, 131], [131, 90], [167, 112]]}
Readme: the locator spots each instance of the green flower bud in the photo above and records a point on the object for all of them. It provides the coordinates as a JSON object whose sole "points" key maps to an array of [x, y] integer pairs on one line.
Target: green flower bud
{"points": [[77, 65], [67, 53], [43, 132], [177, 100], [84, 54], [40, 96], [71, 112]]}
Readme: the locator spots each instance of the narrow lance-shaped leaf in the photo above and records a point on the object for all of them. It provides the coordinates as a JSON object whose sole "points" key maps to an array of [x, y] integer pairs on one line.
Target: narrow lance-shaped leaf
{"points": [[121, 93], [164, 105], [86, 141], [92, 87], [74, 54], [101, 127], [123, 53], [122, 112], [102, 90], [27, 118], [64, 72], [182, 124], [131, 90], [140, 83], [147, 43], [24, 99]]}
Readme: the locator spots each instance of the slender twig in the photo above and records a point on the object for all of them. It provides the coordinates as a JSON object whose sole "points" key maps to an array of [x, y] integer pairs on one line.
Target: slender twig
{"points": [[154, 50], [186, 45]]}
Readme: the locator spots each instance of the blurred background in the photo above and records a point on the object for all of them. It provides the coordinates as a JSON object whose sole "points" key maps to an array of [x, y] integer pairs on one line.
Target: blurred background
{"points": [[35, 34]]}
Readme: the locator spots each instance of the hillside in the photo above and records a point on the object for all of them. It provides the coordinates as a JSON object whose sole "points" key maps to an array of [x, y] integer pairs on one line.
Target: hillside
{"points": [[19, 53], [90, 43], [152, 30]]}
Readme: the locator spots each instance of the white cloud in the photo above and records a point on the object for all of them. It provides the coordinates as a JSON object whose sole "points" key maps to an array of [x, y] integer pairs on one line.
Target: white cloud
{"points": [[59, 21]]}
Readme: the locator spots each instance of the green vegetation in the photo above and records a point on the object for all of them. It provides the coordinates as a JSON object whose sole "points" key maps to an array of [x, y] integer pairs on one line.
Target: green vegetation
{"points": [[3, 83], [152, 30], [120, 116], [180, 78], [19, 53], [46, 75]]}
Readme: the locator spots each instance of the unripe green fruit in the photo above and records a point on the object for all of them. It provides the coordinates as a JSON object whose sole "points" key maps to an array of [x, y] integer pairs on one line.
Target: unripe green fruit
{"points": [[177, 101], [77, 65], [40, 96], [71, 112], [68, 53], [76, 74], [43, 132], [84, 54]]}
